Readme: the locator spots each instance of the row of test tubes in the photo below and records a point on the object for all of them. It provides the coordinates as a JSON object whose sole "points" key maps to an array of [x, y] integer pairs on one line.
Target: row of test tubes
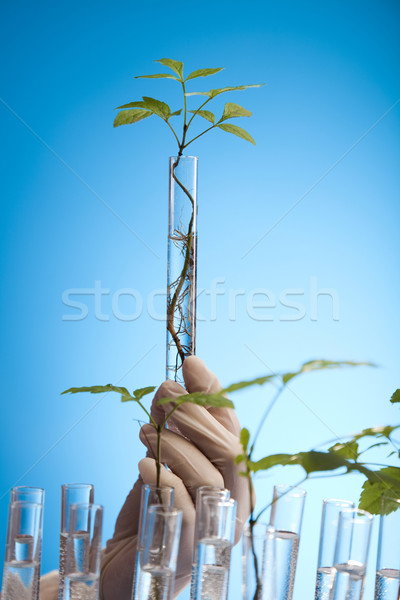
{"points": [[343, 549], [344, 546], [80, 543]]}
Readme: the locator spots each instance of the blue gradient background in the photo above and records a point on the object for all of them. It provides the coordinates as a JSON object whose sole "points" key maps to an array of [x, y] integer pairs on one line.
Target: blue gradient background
{"points": [[331, 71]]}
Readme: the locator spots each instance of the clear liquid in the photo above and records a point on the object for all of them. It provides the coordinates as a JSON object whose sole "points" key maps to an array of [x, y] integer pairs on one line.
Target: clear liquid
{"points": [[78, 561], [154, 584], [19, 580], [325, 578], [286, 548], [192, 583], [349, 582], [387, 584], [81, 587], [61, 569], [211, 574]]}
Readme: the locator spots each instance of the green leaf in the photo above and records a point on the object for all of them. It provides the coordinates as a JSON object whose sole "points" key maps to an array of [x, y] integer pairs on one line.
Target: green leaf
{"points": [[395, 397], [320, 365], [206, 114], [240, 458], [202, 73], [98, 389], [234, 387], [136, 104], [139, 393], [216, 92], [101, 389], [157, 76], [237, 131], [387, 483], [384, 431], [314, 461], [288, 376], [176, 113], [232, 110], [244, 438], [174, 65], [159, 108], [311, 462], [126, 117], [271, 461], [349, 450], [216, 400]]}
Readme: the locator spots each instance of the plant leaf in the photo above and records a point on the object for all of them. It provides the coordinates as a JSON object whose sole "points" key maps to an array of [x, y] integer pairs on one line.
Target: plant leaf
{"points": [[395, 397], [240, 458], [216, 400], [379, 431], [176, 113], [387, 483], [234, 387], [206, 114], [377, 445], [100, 389], [157, 76], [314, 461], [244, 438], [320, 365], [159, 108], [175, 65], [232, 110], [242, 133], [126, 117], [202, 73], [216, 92], [346, 450], [271, 461], [97, 389], [135, 104], [139, 393]]}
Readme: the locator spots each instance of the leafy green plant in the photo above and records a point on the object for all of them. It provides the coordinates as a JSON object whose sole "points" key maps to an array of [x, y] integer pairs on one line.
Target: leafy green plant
{"points": [[137, 396], [341, 455], [346, 456], [178, 321], [136, 111]]}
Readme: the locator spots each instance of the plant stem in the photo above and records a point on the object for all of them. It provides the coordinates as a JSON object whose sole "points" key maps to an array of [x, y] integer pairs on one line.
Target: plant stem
{"points": [[158, 460], [195, 113], [173, 131], [188, 245], [200, 134], [169, 415], [257, 593], [265, 416], [252, 520], [147, 412]]}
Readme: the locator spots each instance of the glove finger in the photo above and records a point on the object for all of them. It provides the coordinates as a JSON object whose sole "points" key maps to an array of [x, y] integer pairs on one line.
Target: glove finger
{"points": [[127, 521], [182, 500], [198, 378], [168, 389], [48, 586], [183, 458], [220, 447]]}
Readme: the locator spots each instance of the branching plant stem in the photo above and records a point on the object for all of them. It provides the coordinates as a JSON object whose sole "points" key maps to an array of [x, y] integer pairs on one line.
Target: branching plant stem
{"points": [[253, 520], [187, 239]]}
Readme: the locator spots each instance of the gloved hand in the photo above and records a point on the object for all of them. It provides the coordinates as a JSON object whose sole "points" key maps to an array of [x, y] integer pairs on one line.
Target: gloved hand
{"points": [[49, 586], [199, 448]]}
